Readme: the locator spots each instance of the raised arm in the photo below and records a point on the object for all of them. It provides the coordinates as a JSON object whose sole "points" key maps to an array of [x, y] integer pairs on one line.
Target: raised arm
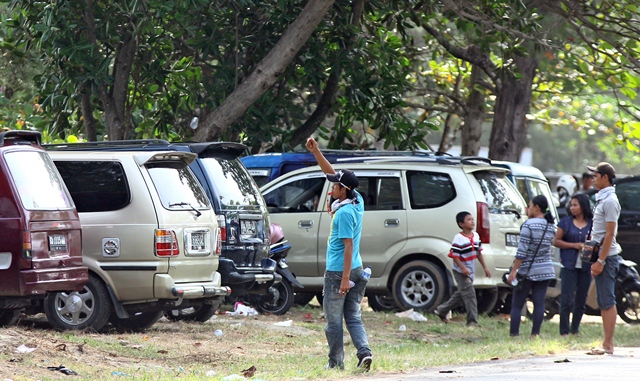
{"points": [[324, 164]]}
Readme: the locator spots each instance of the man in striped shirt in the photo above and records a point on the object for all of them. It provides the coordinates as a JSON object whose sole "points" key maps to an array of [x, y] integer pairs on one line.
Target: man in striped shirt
{"points": [[466, 247]]}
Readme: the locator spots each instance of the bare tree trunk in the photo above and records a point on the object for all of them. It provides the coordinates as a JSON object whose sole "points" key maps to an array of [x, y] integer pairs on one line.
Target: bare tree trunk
{"points": [[448, 136], [266, 72], [472, 128], [513, 102], [87, 114]]}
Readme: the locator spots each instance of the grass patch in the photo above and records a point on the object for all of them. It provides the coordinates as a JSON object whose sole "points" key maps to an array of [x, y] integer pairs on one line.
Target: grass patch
{"points": [[190, 351]]}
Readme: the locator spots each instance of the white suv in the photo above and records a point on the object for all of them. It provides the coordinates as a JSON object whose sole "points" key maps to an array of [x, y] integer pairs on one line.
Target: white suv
{"points": [[409, 222]]}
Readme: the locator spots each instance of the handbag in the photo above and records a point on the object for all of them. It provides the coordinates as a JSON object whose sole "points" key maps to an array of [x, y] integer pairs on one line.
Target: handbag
{"points": [[522, 277], [590, 250]]}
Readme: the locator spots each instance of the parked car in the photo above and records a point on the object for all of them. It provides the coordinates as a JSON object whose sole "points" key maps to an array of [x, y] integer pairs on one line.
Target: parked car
{"points": [[40, 236], [410, 208], [150, 237], [267, 167], [628, 192], [244, 264]]}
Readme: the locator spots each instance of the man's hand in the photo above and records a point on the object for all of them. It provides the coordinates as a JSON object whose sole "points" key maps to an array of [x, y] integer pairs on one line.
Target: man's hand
{"points": [[596, 268], [344, 287], [487, 272], [312, 145], [465, 270]]}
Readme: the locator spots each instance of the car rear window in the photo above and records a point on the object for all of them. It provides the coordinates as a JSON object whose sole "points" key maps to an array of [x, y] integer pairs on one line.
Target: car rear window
{"points": [[499, 192], [95, 186], [178, 188], [234, 186], [429, 189], [39, 185]]}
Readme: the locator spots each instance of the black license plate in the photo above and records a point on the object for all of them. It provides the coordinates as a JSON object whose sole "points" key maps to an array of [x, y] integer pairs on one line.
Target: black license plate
{"points": [[248, 227], [512, 239], [197, 240], [57, 243]]}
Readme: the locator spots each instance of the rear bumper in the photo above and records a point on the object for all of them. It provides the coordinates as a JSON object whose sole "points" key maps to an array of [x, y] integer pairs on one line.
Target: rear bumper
{"points": [[166, 288], [40, 281], [256, 280]]}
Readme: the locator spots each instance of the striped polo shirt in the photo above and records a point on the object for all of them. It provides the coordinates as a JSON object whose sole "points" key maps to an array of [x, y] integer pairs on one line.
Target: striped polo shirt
{"points": [[466, 249]]}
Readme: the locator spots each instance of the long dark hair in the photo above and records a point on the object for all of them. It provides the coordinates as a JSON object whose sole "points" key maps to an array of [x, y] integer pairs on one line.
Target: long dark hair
{"points": [[585, 205], [541, 202]]}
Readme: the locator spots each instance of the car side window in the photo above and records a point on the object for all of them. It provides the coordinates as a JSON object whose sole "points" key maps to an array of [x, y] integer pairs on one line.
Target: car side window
{"points": [[429, 189], [95, 186], [521, 184], [628, 195], [297, 196], [381, 193]]}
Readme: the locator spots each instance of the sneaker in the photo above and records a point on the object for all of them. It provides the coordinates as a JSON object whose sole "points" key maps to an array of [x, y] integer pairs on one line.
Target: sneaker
{"points": [[444, 318], [365, 363], [333, 366]]}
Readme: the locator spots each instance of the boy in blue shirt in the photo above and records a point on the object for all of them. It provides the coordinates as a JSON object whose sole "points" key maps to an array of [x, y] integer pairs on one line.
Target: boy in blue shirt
{"points": [[344, 286]]}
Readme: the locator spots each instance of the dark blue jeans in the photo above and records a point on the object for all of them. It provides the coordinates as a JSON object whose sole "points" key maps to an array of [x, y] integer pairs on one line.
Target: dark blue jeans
{"points": [[518, 299], [336, 308], [575, 286]]}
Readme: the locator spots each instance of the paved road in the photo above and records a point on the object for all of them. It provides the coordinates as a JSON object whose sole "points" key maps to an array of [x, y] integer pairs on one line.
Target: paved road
{"points": [[622, 366]]}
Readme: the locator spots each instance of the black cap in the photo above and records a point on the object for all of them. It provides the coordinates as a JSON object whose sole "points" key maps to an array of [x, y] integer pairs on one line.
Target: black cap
{"points": [[604, 169], [345, 177]]}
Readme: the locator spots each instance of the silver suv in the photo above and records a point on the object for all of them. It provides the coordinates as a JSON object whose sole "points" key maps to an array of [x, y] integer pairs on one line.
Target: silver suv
{"points": [[409, 222], [150, 238]]}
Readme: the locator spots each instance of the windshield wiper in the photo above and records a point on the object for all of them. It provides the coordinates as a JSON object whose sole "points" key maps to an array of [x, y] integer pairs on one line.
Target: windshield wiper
{"points": [[514, 212], [198, 214]]}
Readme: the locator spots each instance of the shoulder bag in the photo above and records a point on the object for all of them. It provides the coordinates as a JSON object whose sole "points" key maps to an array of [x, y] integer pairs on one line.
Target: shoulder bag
{"points": [[522, 277]]}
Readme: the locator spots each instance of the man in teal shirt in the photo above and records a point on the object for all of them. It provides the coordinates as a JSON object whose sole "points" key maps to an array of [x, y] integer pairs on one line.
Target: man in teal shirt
{"points": [[344, 285]]}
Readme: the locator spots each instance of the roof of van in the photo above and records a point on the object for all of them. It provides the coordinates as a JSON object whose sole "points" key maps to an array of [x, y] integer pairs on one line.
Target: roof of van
{"points": [[521, 170]]}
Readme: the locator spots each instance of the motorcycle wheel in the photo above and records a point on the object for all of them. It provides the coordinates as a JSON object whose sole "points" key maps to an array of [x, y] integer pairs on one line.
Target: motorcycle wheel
{"points": [[278, 301], [200, 313], [551, 308], [628, 304], [303, 298]]}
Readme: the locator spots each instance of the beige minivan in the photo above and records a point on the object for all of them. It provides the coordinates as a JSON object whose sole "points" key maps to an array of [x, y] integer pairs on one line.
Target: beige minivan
{"points": [[409, 222], [150, 238]]}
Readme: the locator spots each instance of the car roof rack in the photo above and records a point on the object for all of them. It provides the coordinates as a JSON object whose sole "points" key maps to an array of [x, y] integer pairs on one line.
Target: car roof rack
{"points": [[105, 145], [444, 160], [20, 137], [374, 153]]}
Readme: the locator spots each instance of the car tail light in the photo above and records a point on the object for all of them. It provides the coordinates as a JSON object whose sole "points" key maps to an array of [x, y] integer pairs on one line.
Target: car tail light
{"points": [[166, 243], [222, 225], [483, 226], [218, 241], [26, 245]]}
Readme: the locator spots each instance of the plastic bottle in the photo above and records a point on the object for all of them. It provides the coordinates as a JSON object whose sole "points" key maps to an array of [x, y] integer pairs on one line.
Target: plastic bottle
{"points": [[515, 282], [367, 273]]}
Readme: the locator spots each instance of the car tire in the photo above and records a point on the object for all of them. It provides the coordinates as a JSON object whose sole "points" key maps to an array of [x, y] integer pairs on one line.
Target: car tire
{"points": [[303, 298], [487, 299], [382, 303], [628, 304], [77, 310], [9, 317], [419, 285], [200, 313], [278, 301], [136, 323]]}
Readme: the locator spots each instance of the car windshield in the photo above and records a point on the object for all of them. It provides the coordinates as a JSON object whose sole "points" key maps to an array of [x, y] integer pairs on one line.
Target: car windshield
{"points": [[500, 194], [178, 188], [236, 189], [39, 185]]}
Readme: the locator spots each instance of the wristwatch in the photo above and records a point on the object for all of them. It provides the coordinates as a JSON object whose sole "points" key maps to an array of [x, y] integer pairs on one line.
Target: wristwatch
{"points": [[602, 261]]}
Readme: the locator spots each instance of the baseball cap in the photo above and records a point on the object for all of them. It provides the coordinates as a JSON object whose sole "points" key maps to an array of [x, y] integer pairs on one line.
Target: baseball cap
{"points": [[345, 177], [604, 168]]}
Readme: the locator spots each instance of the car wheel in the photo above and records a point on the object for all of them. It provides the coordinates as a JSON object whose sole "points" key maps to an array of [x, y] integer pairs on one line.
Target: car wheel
{"points": [[419, 285], [628, 305], [382, 303], [9, 316], [199, 313], [303, 298], [136, 323], [86, 309], [487, 299], [278, 301]]}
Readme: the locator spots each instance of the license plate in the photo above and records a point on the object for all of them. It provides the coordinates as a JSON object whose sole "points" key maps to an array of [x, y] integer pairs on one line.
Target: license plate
{"points": [[512, 239], [248, 227], [57, 243], [197, 241]]}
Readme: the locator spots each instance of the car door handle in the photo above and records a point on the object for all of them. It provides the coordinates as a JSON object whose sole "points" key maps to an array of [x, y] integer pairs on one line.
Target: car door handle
{"points": [[305, 224], [392, 223]]}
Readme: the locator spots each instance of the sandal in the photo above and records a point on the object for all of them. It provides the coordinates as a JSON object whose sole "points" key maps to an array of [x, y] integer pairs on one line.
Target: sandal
{"points": [[599, 352]]}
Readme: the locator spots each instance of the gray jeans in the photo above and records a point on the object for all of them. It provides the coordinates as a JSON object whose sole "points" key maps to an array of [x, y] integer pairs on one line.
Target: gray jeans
{"points": [[464, 296]]}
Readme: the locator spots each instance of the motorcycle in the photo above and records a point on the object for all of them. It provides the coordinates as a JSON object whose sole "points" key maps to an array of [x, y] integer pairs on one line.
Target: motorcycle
{"points": [[280, 296], [627, 291]]}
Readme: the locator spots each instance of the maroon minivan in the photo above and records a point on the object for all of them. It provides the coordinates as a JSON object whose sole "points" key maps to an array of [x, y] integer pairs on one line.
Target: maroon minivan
{"points": [[40, 236]]}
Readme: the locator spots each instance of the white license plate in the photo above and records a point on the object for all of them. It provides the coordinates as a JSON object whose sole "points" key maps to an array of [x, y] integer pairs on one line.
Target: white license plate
{"points": [[248, 227], [512, 239], [57, 243], [197, 241]]}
